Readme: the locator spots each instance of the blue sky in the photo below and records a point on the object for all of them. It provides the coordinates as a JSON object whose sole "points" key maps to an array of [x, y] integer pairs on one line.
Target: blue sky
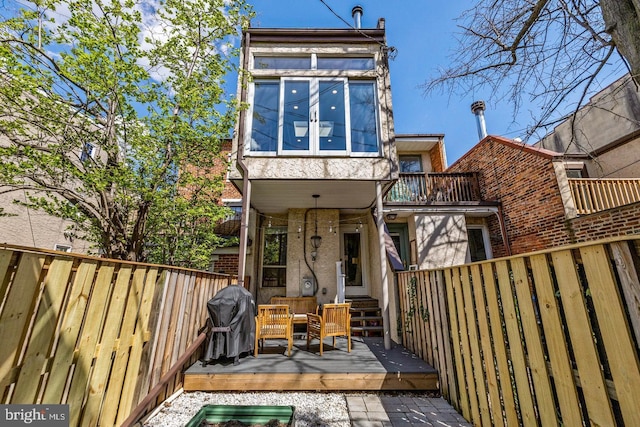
{"points": [[423, 34]]}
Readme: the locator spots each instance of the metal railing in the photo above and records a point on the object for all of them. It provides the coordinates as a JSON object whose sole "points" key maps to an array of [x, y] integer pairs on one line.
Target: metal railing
{"points": [[420, 188], [592, 195]]}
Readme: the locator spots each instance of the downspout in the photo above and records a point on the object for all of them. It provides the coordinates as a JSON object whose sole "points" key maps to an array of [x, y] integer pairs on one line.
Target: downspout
{"points": [[503, 231], [246, 184], [383, 267]]}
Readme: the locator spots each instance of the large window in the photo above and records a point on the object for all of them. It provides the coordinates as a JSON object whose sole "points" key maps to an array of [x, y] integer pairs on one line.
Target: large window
{"points": [[264, 132], [274, 257], [314, 115]]}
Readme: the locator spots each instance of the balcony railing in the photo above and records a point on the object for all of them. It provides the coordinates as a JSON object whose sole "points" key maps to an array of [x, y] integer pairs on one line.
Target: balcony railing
{"points": [[424, 188], [229, 226], [595, 195]]}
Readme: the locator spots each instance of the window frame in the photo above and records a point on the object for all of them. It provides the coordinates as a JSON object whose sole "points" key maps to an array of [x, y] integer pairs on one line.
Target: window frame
{"points": [[88, 152], [406, 157], [485, 239], [281, 230], [314, 110], [314, 107], [62, 247], [361, 230]]}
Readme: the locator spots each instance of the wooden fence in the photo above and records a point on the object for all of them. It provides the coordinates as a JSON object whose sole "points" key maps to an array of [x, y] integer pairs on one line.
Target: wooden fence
{"points": [[549, 338], [96, 334], [596, 195]]}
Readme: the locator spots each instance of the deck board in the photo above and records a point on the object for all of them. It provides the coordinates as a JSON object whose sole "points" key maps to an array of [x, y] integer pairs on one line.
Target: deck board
{"points": [[368, 367]]}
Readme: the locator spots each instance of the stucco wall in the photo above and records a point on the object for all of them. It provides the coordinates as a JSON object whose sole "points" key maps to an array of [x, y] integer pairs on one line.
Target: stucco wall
{"points": [[28, 227], [441, 240], [367, 168], [299, 249], [610, 117], [622, 162]]}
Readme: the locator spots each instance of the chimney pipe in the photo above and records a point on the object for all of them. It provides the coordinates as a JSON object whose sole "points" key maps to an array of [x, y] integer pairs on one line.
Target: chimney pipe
{"points": [[356, 14], [478, 108]]}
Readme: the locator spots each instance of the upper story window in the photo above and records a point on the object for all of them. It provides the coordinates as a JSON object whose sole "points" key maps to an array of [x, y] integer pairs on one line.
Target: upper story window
{"points": [[312, 62], [281, 63], [345, 63], [313, 115], [88, 152], [410, 163]]}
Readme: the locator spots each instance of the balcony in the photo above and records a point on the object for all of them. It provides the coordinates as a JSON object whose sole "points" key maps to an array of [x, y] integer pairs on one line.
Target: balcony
{"points": [[596, 195], [434, 188], [229, 226]]}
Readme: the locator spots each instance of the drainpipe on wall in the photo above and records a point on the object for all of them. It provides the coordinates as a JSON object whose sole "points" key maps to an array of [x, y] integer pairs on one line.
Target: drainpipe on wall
{"points": [[503, 231], [246, 187], [383, 267]]}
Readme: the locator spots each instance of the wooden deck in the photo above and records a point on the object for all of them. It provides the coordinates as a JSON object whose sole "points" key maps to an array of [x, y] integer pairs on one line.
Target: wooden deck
{"points": [[368, 367]]}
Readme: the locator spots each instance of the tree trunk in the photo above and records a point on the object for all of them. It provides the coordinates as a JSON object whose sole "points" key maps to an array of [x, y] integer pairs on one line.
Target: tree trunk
{"points": [[622, 20]]}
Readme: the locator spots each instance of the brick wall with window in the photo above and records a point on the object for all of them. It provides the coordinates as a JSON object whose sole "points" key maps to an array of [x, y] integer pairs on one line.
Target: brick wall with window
{"points": [[524, 181], [522, 178], [226, 263]]}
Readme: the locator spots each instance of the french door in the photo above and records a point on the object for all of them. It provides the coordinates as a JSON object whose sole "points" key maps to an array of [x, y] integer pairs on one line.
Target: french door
{"points": [[314, 116]]}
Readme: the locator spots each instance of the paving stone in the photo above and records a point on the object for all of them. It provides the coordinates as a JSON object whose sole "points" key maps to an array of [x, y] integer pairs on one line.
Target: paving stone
{"points": [[396, 415], [356, 403], [404, 410], [378, 415], [400, 422], [395, 408], [367, 423], [392, 400]]}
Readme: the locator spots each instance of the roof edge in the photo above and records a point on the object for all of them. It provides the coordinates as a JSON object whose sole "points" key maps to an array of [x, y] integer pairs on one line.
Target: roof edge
{"points": [[542, 152]]}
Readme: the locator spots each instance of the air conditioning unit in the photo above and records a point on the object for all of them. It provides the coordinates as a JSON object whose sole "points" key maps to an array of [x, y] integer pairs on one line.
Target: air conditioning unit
{"points": [[307, 287]]}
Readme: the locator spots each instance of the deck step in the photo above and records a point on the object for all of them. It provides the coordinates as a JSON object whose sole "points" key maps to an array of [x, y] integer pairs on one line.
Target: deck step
{"points": [[360, 302], [366, 319], [365, 310], [367, 328]]}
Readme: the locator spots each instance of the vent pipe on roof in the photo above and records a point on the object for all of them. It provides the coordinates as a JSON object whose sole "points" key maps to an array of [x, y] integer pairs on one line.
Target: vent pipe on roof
{"points": [[356, 14], [477, 108]]}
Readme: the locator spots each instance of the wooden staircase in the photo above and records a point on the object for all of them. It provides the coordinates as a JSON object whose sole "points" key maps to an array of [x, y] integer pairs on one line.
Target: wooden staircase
{"points": [[366, 317]]}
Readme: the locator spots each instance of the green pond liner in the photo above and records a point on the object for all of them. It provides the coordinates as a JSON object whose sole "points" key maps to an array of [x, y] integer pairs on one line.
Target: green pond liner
{"points": [[247, 414]]}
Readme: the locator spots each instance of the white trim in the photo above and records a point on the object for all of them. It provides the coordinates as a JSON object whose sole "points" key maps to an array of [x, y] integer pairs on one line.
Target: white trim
{"points": [[314, 126], [364, 259], [261, 257], [62, 247], [485, 239]]}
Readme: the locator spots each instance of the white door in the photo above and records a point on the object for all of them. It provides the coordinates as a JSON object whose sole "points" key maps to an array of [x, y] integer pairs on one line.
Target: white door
{"points": [[354, 261]]}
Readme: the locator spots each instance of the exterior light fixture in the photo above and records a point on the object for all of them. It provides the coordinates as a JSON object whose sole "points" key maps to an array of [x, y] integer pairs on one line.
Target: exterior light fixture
{"points": [[392, 216], [316, 240]]}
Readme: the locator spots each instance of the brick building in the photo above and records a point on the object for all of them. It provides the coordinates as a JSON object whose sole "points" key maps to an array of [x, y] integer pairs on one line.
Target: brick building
{"points": [[537, 205]]}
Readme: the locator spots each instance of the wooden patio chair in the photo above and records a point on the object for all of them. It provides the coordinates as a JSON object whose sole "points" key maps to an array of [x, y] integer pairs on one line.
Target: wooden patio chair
{"points": [[335, 321], [273, 321]]}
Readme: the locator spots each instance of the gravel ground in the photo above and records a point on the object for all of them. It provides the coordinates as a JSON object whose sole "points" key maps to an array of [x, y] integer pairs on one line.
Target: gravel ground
{"points": [[311, 409]]}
